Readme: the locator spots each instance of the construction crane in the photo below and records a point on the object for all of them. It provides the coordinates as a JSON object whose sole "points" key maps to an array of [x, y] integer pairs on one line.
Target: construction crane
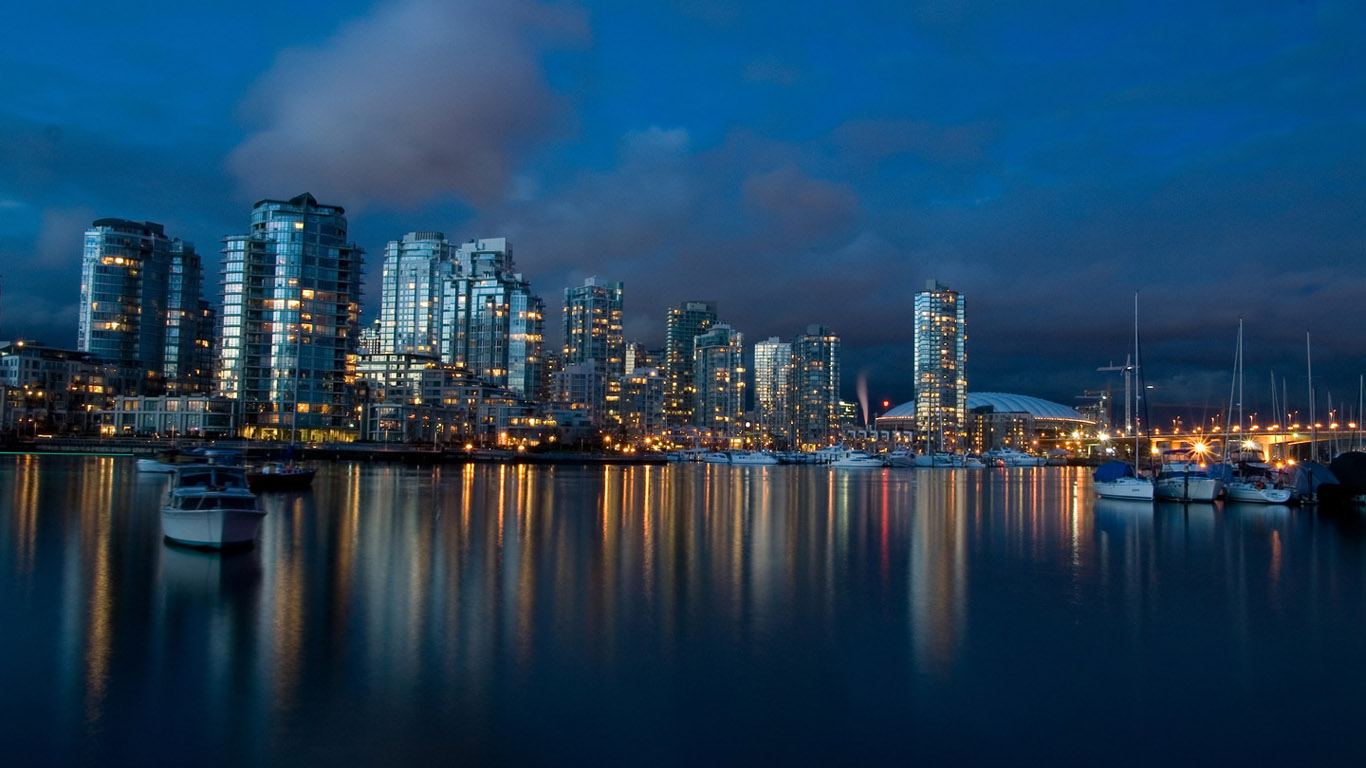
{"points": [[1129, 369]]}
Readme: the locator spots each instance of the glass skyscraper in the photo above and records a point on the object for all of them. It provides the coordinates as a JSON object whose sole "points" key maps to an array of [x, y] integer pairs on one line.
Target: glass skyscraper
{"points": [[291, 306], [719, 380], [491, 323], [592, 335], [416, 271], [940, 366], [141, 308], [816, 387], [686, 322], [773, 391]]}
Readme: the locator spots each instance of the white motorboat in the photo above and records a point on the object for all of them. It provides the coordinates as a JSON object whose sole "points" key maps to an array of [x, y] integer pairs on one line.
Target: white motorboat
{"points": [[1009, 457], [1256, 491], [1183, 478], [1116, 480], [752, 458], [857, 460], [717, 457], [901, 457], [210, 506], [945, 460]]}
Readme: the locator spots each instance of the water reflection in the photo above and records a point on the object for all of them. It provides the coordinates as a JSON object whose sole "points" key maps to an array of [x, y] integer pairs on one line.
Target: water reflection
{"points": [[501, 609]]}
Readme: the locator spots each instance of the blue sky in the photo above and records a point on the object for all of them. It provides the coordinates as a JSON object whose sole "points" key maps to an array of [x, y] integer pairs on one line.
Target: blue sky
{"points": [[798, 162]]}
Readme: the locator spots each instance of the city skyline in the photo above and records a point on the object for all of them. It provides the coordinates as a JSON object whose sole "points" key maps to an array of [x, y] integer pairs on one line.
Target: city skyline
{"points": [[1045, 162]]}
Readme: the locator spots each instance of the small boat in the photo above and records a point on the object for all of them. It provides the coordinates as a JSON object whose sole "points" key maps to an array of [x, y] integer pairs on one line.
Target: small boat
{"points": [[279, 476], [1116, 480], [1183, 478], [857, 460], [752, 458], [1256, 491], [716, 457], [210, 506], [901, 457], [1009, 457]]}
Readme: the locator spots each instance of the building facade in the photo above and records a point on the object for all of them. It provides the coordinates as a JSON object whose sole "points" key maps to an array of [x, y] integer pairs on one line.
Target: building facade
{"points": [[686, 322], [719, 381], [142, 309], [417, 268], [51, 390], [773, 390], [940, 366], [291, 307], [491, 322], [593, 337], [642, 404], [816, 388]]}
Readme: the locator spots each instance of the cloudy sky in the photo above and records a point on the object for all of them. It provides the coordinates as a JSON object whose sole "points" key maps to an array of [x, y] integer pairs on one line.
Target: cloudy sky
{"points": [[798, 162]]}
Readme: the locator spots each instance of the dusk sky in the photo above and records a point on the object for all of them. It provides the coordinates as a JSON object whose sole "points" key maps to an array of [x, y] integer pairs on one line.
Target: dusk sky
{"points": [[797, 162]]}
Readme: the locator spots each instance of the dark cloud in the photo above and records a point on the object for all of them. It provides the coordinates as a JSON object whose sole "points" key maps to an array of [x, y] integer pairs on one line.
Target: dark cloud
{"points": [[789, 199], [421, 99]]}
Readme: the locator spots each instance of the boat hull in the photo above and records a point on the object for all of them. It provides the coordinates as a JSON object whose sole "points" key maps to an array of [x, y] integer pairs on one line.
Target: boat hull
{"points": [[1125, 488], [753, 460], [211, 528], [857, 464], [1249, 492], [1180, 488]]}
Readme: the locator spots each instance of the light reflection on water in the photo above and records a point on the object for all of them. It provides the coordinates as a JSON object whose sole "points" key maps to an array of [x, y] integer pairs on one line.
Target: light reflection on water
{"points": [[675, 614]]}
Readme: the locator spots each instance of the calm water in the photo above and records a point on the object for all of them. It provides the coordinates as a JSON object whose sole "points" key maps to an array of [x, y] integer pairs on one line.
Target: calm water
{"points": [[682, 614]]}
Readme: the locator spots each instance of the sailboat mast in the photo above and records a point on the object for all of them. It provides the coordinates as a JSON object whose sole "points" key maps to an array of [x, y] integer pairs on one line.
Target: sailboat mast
{"points": [[1240, 375], [1232, 389], [1134, 423], [1309, 366]]}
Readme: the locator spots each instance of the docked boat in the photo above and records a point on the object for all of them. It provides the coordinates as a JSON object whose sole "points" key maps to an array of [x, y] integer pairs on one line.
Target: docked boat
{"points": [[211, 506], [1183, 478], [901, 457], [717, 457], [1009, 457], [1117, 480], [1256, 491], [856, 460], [280, 476], [752, 458]]}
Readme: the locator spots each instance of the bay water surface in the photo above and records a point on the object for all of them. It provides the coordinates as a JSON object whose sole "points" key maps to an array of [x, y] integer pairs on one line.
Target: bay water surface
{"points": [[682, 614]]}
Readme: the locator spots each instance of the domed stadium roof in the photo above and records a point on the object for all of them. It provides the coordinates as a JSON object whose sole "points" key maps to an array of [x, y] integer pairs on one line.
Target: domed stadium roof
{"points": [[1002, 402], [1037, 407]]}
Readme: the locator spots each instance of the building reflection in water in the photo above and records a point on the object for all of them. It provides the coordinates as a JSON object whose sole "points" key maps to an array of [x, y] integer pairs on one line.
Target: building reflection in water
{"points": [[394, 595]]}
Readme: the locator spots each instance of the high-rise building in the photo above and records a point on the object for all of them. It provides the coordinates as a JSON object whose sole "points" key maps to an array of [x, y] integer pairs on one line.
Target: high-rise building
{"points": [[940, 366], [686, 322], [491, 323], [416, 271], [773, 391], [592, 336], [816, 387], [141, 309], [719, 380], [291, 308]]}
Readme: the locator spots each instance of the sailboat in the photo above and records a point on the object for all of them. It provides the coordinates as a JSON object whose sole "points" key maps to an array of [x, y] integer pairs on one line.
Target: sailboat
{"points": [[1117, 479], [1253, 481]]}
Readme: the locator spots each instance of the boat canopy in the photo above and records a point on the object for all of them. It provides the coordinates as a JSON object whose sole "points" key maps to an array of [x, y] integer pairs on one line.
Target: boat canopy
{"points": [[1311, 475], [1111, 471], [1350, 470]]}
